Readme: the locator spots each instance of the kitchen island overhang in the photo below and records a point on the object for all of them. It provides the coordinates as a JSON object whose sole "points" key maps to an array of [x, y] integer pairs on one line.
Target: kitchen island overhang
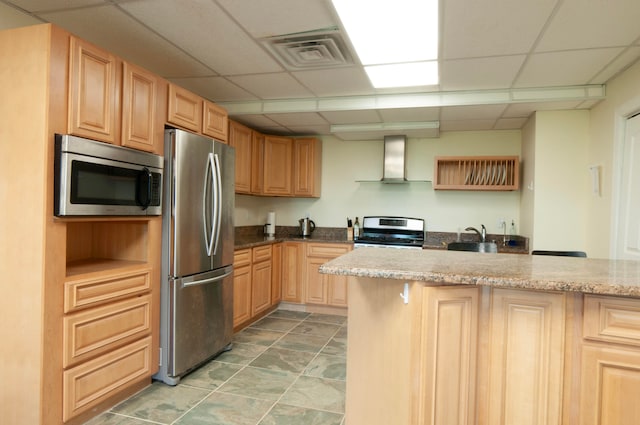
{"points": [[546, 273], [441, 337]]}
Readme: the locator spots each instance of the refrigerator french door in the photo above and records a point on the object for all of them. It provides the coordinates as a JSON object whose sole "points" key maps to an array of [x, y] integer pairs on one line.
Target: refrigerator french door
{"points": [[196, 314]]}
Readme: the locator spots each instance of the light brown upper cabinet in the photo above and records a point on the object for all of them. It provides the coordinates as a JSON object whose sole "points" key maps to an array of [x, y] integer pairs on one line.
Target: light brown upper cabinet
{"points": [[192, 112], [93, 92], [185, 108], [257, 163], [139, 97], [307, 167], [215, 122], [476, 173], [240, 138], [278, 156]]}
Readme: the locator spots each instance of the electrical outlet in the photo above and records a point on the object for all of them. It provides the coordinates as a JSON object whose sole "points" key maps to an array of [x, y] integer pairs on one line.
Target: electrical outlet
{"points": [[502, 224]]}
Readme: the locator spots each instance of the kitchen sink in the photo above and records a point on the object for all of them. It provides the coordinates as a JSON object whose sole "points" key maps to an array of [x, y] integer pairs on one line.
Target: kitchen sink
{"points": [[490, 247]]}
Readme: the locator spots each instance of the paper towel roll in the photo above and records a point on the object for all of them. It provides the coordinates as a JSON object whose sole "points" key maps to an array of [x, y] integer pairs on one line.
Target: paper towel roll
{"points": [[271, 223]]}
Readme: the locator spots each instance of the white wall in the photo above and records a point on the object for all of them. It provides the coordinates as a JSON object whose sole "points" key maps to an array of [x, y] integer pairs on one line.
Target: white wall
{"points": [[527, 184], [344, 163], [561, 180], [606, 130]]}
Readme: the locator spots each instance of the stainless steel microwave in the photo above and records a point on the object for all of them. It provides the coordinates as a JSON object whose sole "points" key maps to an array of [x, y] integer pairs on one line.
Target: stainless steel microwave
{"points": [[98, 179]]}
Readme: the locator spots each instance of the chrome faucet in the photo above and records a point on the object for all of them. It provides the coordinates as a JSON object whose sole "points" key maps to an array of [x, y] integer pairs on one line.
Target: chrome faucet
{"points": [[482, 235]]}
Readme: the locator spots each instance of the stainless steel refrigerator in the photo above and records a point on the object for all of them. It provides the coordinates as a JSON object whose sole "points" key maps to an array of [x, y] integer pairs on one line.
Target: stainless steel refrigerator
{"points": [[196, 314]]}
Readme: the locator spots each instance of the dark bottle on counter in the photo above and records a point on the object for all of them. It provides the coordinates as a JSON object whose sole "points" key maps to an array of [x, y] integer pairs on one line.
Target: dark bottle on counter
{"points": [[356, 229]]}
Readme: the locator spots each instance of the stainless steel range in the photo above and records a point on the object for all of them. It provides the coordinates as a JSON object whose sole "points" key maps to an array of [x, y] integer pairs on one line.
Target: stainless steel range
{"points": [[395, 232]]}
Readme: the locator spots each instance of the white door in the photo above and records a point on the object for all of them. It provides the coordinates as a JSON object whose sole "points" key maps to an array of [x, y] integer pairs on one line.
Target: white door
{"points": [[628, 232]]}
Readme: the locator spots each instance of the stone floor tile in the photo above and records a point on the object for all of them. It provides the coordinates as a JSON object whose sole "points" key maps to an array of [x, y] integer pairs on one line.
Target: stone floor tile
{"points": [[282, 414], [316, 393], [289, 314], [241, 353], [161, 403], [284, 360], [211, 375], [324, 366], [301, 342], [259, 383], [226, 409], [274, 324], [316, 328], [257, 336], [327, 318]]}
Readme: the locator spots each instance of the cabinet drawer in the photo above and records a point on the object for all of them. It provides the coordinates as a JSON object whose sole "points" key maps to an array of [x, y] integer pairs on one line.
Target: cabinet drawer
{"points": [[95, 331], [326, 250], [90, 383], [612, 319], [95, 291], [242, 258], [262, 253]]}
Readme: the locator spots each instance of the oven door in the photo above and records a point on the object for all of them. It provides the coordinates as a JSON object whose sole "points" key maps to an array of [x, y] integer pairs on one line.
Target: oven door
{"points": [[102, 187]]}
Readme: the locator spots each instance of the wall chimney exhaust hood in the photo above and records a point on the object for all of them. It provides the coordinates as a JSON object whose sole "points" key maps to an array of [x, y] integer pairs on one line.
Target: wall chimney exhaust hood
{"points": [[394, 162]]}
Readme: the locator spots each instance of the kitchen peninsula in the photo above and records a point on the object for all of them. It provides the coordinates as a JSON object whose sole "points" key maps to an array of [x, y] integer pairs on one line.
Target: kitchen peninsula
{"points": [[441, 337]]}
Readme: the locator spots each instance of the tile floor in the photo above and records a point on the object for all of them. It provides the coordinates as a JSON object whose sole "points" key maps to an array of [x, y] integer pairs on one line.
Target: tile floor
{"points": [[288, 368]]}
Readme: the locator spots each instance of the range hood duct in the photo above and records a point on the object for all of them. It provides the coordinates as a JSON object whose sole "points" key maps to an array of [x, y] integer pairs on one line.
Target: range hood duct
{"points": [[394, 162]]}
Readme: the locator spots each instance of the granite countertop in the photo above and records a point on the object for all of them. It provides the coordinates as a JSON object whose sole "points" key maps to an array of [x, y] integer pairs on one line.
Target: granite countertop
{"points": [[596, 276], [252, 241]]}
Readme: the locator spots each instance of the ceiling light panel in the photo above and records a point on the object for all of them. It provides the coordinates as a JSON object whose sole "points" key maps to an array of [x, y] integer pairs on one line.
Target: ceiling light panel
{"points": [[385, 31]]}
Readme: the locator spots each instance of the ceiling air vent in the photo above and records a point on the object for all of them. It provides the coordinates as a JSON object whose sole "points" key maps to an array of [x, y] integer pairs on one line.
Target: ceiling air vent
{"points": [[310, 50]]}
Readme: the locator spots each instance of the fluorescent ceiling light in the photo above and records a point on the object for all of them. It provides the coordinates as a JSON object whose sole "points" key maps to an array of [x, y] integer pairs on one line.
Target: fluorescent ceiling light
{"points": [[385, 126], [391, 32], [403, 74]]}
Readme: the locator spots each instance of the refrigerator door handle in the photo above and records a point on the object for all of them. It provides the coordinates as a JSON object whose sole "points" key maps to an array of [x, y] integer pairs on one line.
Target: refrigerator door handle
{"points": [[220, 275], [217, 203], [206, 210]]}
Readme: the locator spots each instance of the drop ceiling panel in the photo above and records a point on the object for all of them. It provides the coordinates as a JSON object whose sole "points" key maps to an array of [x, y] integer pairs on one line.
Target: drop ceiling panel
{"points": [[272, 86], [310, 129], [12, 18], [480, 73], [350, 81], [509, 123], [257, 121], [43, 5], [580, 25], [567, 68], [351, 117], [492, 27], [260, 20], [619, 63], [216, 89], [111, 29], [467, 125], [204, 30]]}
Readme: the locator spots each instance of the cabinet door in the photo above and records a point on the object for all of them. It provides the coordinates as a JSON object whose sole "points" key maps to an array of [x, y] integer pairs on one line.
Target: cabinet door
{"points": [[260, 286], [292, 265], [448, 355], [184, 109], [278, 157], [257, 163], [241, 295], [215, 122], [610, 386], [316, 283], [93, 92], [337, 291], [276, 274], [307, 165], [139, 88], [240, 138], [526, 358]]}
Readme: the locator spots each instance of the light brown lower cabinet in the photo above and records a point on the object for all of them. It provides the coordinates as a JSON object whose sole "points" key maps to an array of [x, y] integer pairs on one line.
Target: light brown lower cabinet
{"points": [[292, 271], [252, 284], [526, 354], [320, 288], [470, 355]]}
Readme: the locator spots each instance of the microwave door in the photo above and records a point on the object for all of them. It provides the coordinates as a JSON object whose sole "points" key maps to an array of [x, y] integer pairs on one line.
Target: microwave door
{"points": [[191, 221]]}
